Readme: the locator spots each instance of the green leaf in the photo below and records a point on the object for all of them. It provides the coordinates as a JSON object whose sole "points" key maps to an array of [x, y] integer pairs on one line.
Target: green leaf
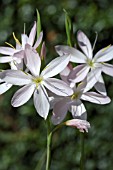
{"points": [[38, 24], [68, 26]]}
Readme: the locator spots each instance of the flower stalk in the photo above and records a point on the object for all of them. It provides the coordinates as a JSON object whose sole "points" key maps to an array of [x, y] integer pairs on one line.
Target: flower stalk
{"points": [[82, 152], [49, 139]]}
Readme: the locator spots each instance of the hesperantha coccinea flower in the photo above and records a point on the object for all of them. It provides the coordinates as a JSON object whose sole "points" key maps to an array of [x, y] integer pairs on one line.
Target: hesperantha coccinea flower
{"points": [[37, 82], [90, 66], [73, 102], [15, 55]]}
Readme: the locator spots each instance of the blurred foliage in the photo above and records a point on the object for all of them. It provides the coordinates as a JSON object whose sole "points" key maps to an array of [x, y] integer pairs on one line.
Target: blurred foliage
{"points": [[22, 131]]}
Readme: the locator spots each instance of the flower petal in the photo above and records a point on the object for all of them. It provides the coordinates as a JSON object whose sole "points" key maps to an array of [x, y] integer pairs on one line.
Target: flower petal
{"points": [[64, 74], [82, 125], [78, 110], [84, 44], [7, 50], [6, 59], [92, 78], [107, 69], [55, 66], [94, 97], [41, 102], [32, 35], [24, 38], [58, 87], [59, 112], [104, 54], [78, 73], [16, 77], [38, 40], [76, 55], [33, 61], [18, 56], [22, 95], [100, 86], [4, 87]]}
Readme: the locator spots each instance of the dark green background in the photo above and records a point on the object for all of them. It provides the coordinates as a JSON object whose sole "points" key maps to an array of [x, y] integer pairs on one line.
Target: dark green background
{"points": [[22, 131]]}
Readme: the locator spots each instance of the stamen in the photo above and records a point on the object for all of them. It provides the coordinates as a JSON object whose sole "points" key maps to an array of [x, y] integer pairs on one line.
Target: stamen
{"points": [[37, 80], [16, 40], [75, 96], [95, 40], [90, 63], [10, 45], [104, 49]]}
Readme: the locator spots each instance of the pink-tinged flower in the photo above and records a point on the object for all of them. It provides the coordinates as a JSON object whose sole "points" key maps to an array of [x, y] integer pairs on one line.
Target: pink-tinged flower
{"points": [[82, 125], [15, 55], [36, 83], [73, 103], [90, 66]]}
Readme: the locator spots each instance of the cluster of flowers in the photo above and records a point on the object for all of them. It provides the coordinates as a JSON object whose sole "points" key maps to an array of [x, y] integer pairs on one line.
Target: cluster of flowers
{"points": [[61, 95]]}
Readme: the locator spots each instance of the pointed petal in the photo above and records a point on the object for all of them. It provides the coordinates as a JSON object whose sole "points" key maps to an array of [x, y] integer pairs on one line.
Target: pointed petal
{"points": [[92, 78], [84, 44], [22, 95], [6, 59], [19, 65], [64, 74], [104, 54], [33, 61], [38, 40], [53, 99], [78, 110], [4, 87], [100, 86], [32, 35], [24, 38], [18, 56], [41, 102], [107, 69], [82, 125], [78, 73], [55, 66], [13, 66], [59, 112], [16, 77], [76, 55], [7, 50], [94, 97], [18, 46], [58, 87]]}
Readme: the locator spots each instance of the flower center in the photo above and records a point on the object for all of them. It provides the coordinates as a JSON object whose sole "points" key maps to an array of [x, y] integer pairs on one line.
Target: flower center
{"points": [[90, 63], [37, 80], [75, 95]]}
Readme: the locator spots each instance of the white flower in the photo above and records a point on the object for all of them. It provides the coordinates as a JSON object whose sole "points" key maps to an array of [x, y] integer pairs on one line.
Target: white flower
{"points": [[36, 83], [73, 103], [95, 64], [15, 55]]}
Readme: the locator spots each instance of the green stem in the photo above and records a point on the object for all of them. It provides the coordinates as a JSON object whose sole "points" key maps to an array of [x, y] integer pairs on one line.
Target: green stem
{"points": [[82, 152], [49, 138]]}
